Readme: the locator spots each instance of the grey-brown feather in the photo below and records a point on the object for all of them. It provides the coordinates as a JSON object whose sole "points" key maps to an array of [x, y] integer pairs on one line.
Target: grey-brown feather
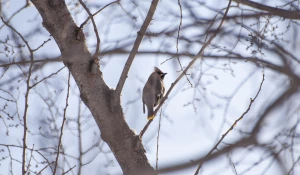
{"points": [[153, 91], [144, 106], [158, 91]]}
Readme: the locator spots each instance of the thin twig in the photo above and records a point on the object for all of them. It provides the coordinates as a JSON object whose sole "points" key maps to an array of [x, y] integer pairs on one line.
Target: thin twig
{"points": [[81, 26], [41, 45], [31, 149], [25, 121], [26, 96], [233, 125], [292, 89], [47, 77], [244, 142], [28, 166], [136, 45], [199, 54], [58, 59], [294, 164], [79, 128], [40, 172], [68, 170], [23, 39], [62, 125], [231, 162], [183, 165], [11, 159], [18, 11], [95, 28], [177, 40], [158, 140]]}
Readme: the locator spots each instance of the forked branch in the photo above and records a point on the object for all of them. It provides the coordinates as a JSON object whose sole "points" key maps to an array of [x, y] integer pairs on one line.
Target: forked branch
{"points": [[232, 126], [136, 46], [187, 68]]}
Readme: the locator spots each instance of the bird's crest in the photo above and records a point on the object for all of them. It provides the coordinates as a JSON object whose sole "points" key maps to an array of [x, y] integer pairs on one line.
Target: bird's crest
{"points": [[157, 70]]}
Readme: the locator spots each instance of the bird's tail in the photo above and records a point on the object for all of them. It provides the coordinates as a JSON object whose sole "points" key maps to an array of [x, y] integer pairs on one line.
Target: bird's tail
{"points": [[150, 113]]}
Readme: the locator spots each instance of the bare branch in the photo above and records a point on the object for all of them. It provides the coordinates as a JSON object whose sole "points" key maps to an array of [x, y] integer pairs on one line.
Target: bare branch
{"points": [[233, 125], [63, 124], [177, 40], [292, 89], [58, 59], [25, 121], [26, 97], [14, 14], [275, 11], [136, 46], [157, 141], [32, 86], [186, 69], [28, 166], [69, 170], [241, 143], [6, 23], [95, 29], [81, 26], [40, 172], [41, 45]]}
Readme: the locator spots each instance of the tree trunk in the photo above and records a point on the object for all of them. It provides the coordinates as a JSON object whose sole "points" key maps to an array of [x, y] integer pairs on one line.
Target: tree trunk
{"points": [[103, 102]]}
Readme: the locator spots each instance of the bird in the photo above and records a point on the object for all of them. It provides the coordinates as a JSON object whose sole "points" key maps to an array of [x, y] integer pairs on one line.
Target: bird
{"points": [[153, 91]]}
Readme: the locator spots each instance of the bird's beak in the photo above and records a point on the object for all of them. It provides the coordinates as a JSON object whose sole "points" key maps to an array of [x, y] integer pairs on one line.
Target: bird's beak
{"points": [[164, 73]]}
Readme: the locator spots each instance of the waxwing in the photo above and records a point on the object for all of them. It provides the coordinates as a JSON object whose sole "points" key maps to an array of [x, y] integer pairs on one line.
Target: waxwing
{"points": [[153, 91]]}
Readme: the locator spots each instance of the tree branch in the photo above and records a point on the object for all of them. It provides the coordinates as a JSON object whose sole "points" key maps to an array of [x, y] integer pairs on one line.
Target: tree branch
{"points": [[95, 28], [62, 125], [26, 96], [103, 102], [275, 11], [241, 143], [232, 126], [136, 46], [58, 59], [97, 13], [186, 69]]}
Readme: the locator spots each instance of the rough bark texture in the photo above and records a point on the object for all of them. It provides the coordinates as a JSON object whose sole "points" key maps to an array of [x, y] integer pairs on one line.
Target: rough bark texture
{"points": [[103, 102]]}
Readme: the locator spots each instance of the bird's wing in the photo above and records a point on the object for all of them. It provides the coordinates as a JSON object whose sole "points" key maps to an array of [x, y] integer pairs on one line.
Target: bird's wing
{"points": [[143, 105], [163, 90], [158, 92]]}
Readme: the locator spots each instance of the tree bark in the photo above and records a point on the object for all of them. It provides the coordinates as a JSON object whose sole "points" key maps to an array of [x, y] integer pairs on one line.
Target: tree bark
{"points": [[103, 102]]}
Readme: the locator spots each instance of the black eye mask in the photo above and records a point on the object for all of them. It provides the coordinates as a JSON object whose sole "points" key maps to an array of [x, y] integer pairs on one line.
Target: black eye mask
{"points": [[163, 75]]}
